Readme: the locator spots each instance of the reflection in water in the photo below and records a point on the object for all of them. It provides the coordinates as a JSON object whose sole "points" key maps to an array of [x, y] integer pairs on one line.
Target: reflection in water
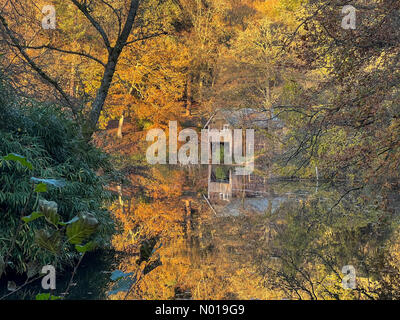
{"points": [[253, 239], [232, 194]]}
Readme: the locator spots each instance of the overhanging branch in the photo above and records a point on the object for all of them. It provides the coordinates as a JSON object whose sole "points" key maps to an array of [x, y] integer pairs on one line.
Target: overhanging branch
{"points": [[35, 67]]}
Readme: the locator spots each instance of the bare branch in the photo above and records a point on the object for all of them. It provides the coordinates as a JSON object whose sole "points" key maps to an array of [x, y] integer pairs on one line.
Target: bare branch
{"points": [[83, 54], [117, 14], [147, 37], [94, 23], [34, 66]]}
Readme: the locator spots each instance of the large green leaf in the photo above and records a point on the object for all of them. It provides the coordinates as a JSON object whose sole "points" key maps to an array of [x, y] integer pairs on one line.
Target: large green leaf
{"points": [[33, 216], [90, 246], [49, 210], [51, 182], [81, 229], [46, 296], [41, 187], [74, 219], [49, 241], [18, 158]]}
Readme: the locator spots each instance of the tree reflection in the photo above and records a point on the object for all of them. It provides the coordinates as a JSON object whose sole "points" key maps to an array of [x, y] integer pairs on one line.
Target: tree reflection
{"points": [[312, 242], [293, 251]]}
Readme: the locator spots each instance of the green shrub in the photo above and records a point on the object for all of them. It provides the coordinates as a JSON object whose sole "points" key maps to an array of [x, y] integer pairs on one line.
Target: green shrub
{"points": [[53, 145]]}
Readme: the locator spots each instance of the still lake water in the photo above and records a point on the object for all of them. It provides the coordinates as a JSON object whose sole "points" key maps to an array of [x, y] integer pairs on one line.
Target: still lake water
{"points": [[233, 237]]}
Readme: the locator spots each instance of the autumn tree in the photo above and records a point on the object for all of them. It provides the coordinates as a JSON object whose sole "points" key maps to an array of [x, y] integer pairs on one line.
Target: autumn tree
{"points": [[349, 119], [109, 27]]}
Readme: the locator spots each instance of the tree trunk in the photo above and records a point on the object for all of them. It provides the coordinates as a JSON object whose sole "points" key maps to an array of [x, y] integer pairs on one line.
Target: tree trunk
{"points": [[109, 71], [120, 124]]}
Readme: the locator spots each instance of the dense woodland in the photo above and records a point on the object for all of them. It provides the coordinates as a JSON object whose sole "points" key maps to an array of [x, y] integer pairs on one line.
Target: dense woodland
{"points": [[76, 101]]}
